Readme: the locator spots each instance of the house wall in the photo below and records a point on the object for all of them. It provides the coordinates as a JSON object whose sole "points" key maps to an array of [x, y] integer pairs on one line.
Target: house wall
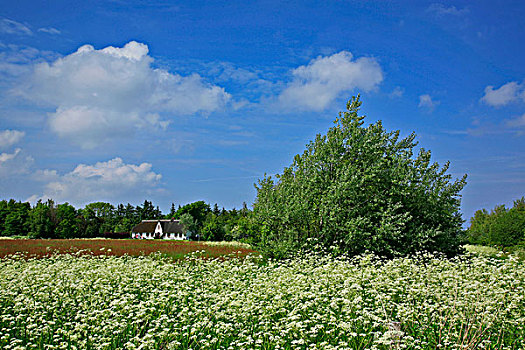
{"points": [[174, 236], [151, 235], [158, 229]]}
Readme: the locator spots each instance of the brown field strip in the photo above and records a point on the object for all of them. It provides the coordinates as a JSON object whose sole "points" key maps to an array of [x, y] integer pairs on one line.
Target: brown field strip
{"points": [[116, 247]]}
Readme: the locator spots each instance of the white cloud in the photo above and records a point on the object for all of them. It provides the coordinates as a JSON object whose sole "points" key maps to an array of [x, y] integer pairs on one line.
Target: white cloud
{"points": [[5, 157], [397, 92], [442, 10], [515, 125], [95, 125], [242, 75], [518, 122], [316, 85], [425, 101], [251, 82], [49, 30], [101, 94], [10, 137], [16, 61], [13, 27], [45, 175], [508, 93], [113, 181], [14, 163]]}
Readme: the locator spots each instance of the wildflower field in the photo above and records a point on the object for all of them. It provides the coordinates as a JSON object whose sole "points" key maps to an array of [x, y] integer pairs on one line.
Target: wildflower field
{"points": [[75, 301]]}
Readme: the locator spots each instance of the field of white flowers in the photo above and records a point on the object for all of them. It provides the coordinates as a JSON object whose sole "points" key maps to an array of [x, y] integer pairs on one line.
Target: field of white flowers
{"points": [[82, 302]]}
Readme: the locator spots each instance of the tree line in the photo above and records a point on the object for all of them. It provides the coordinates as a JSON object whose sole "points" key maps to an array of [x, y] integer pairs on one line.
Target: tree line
{"points": [[504, 227], [100, 219]]}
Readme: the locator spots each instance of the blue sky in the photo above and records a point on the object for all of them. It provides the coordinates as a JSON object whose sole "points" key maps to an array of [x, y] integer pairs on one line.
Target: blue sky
{"points": [[169, 101]]}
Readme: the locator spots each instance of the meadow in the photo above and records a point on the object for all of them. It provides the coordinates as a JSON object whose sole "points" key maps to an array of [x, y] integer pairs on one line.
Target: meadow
{"points": [[78, 301]]}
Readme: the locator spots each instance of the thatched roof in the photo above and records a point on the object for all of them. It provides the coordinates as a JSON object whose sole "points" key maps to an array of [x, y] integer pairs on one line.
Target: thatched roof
{"points": [[168, 226], [172, 227], [144, 227]]}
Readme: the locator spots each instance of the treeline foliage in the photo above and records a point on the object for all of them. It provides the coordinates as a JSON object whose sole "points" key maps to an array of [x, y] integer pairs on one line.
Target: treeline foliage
{"points": [[51, 220], [360, 189], [503, 227]]}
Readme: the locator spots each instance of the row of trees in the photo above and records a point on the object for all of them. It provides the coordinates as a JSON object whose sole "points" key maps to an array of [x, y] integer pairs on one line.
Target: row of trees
{"points": [[51, 220], [216, 224], [502, 226]]}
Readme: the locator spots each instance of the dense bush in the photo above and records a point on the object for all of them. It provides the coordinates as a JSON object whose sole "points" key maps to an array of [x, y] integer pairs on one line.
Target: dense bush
{"points": [[359, 189], [502, 227]]}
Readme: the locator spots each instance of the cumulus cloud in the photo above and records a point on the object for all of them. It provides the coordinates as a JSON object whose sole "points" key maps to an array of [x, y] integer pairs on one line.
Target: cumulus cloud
{"points": [[316, 85], [425, 101], [14, 163], [9, 26], [111, 181], [100, 94], [507, 93], [10, 137]]}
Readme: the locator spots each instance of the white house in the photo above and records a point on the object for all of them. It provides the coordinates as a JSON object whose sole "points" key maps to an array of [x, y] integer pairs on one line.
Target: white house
{"points": [[162, 229]]}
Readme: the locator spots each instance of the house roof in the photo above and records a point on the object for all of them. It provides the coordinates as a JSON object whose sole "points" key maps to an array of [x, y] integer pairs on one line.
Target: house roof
{"points": [[144, 227], [168, 226], [172, 227]]}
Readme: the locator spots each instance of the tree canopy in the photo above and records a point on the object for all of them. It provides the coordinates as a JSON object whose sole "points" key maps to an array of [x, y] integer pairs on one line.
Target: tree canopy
{"points": [[360, 189], [503, 226]]}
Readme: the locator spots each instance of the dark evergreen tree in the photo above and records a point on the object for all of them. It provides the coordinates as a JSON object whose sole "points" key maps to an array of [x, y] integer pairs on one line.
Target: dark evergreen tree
{"points": [[216, 210], [172, 212]]}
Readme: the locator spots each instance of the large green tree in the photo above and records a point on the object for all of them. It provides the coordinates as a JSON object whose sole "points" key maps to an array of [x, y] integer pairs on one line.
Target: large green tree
{"points": [[68, 221], [213, 228], [98, 217], [14, 218], [360, 189], [198, 211]]}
